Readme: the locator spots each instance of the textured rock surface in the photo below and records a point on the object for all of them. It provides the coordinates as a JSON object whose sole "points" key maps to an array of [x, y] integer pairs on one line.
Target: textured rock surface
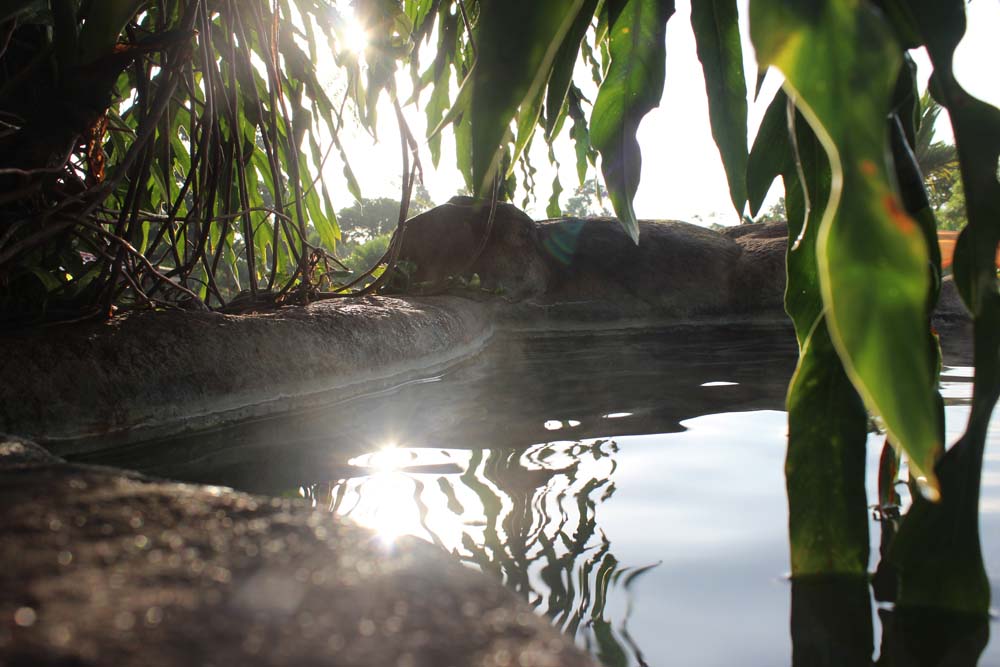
{"points": [[677, 269], [758, 279], [151, 373], [588, 270], [102, 567], [444, 241]]}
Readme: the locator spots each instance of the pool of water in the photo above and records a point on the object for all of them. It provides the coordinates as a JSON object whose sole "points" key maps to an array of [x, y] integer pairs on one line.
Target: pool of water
{"points": [[629, 485]]}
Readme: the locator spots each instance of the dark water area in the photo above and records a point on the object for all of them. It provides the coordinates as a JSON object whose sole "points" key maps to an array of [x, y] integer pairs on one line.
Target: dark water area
{"points": [[629, 485]]}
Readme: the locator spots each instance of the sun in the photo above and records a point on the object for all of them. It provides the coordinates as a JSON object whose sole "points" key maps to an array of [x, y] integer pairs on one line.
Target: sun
{"points": [[354, 36]]}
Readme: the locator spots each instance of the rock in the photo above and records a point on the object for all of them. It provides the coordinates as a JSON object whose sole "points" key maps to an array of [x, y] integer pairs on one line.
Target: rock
{"points": [[759, 285], [677, 270], [147, 374], [151, 374], [758, 279], [589, 270], [109, 568], [18, 451], [448, 241]]}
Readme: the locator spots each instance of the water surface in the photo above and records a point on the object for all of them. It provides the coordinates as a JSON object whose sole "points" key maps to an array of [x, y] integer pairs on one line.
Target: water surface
{"points": [[629, 485]]}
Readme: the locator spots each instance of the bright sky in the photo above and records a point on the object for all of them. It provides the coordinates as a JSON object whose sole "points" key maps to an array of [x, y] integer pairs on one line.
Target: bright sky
{"points": [[682, 175]]}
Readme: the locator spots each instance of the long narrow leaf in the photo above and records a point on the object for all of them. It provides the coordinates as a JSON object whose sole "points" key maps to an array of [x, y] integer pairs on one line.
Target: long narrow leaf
{"points": [[872, 258], [631, 88], [717, 34], [517, 44]]}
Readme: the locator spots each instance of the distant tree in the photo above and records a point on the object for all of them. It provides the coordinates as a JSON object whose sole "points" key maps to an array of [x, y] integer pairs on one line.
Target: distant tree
{"points": [[776, 213], [938, 162], [367, 254], [370, 218], [950, 213], [589, 199]]}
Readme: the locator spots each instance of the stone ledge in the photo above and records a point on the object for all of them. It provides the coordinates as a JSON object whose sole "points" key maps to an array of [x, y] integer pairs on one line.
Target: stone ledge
{"points": [[102, 567], [149, 374]]}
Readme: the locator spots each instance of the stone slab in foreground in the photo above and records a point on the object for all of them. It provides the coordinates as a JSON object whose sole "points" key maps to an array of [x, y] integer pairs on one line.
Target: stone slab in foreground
{"points": [[103, 567]]}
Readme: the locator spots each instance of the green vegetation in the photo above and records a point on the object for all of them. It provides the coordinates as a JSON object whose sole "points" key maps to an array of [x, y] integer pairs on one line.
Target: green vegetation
{"points": [[147, 146], [589, 199]]}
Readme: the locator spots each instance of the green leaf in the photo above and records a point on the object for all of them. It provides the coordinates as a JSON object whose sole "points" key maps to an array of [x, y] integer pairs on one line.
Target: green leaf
{"points": [[436, 105], [827, 421], [830, 52], [937, 552], [553, 210], [717, 34], [825, 465], [580, 134], [527, 117], [631, 88], [103, 24], [771, 155], [48, 281], [517, 44], [565, 62], [463, 149]]}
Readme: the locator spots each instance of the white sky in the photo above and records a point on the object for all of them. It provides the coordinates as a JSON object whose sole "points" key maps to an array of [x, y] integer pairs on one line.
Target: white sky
{"points": [[682, 175]]}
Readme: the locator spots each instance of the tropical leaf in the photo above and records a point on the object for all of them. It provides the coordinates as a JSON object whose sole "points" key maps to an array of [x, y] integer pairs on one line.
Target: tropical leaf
{"points": [[631, 88], [516, 47], [937, 552], [564, 64], [827, 421], [717, 34], [830, 52], [553, 210], [104, 22], [771, 155]]}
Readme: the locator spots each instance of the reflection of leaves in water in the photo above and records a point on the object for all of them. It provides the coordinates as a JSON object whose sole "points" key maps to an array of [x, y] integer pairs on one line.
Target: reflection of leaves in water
{"points": [[537, 532]]}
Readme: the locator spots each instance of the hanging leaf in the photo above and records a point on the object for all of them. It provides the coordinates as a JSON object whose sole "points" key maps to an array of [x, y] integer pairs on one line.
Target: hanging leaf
{"points": [[717, 34], [631, 88], [827, 421], [553, 210], [771, 155], [517, 45], [565, 62], [830, 52], [103, 24], [527, 118], [579, 133], [937, 553]]}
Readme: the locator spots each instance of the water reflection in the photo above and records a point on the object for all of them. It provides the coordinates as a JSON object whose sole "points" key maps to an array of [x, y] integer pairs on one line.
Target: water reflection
{"points": [[628, 485], [528, 517]]}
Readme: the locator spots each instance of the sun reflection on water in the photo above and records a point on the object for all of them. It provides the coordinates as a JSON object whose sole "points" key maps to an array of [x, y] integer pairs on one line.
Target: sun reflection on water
{"points": [[528, 516]]}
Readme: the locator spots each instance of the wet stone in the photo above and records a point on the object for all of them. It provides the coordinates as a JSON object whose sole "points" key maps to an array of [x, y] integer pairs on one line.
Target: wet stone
{"points": [[185, 587]]}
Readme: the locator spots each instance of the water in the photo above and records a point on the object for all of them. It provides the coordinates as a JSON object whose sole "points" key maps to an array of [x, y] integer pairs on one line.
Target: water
{"points": [[629, 485]]}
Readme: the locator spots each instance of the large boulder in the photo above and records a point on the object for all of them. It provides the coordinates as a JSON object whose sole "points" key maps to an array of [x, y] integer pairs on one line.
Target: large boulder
{"points": [[449, 240], [588, 269], [102, 567], [758, 278], [677, 269]]}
